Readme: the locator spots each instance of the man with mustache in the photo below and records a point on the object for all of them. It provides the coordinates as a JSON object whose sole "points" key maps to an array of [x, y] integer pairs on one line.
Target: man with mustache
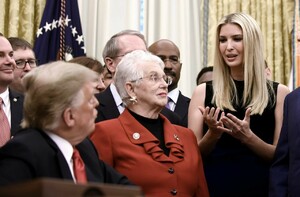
{"points": [[169, 53]]}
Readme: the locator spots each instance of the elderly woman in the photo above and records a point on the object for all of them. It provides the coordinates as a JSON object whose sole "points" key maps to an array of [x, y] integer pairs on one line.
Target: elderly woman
{"points": [[141, 143]]}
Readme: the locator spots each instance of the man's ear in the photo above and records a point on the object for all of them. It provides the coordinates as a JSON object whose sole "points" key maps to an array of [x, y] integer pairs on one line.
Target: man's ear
{"points": [[109, 62], [68, 117]]}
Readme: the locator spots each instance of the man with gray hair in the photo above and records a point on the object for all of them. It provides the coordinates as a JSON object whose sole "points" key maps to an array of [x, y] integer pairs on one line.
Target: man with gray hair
{"points": [[111, 105], [59, 115]]}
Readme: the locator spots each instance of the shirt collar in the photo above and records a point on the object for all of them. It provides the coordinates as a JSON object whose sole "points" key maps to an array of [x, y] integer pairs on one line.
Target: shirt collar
{"points": [[174, 94], [115, 94], [5, 97]]}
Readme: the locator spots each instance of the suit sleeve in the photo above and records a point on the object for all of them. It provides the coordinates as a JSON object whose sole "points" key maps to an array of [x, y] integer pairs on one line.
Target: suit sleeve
{"points": [[15, 164], [280, 167]]}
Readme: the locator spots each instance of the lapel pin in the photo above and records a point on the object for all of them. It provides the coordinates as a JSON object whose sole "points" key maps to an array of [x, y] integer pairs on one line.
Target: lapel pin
{"points": [[136, 136], [15, 99]]}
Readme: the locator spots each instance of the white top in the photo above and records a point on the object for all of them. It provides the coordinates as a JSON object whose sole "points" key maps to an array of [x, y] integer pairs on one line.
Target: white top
{"points": [[6, 105], [117, 98]]}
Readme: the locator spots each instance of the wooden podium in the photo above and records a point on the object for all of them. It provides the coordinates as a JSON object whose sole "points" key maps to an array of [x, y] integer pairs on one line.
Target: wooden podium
{"points": [[65, 188]]}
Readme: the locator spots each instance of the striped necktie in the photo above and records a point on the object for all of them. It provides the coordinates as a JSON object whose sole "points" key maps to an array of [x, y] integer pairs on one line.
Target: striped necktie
{"points": [[4, 126]]}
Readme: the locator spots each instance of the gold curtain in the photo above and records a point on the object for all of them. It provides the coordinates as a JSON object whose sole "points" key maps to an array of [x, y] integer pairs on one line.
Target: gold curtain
{"points": [[21, 18], [275, 18]]}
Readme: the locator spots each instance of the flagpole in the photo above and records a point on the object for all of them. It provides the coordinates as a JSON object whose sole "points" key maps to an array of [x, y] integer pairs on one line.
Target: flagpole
{"points": [[62, 30]]}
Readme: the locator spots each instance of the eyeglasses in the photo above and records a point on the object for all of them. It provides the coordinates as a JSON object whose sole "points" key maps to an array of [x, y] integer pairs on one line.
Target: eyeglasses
{"points": [[173, 59], [156, 78], [21, 63]]}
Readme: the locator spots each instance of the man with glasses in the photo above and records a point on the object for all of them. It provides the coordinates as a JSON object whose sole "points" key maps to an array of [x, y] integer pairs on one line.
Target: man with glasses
{"points": [[25, 61], [169, 53], [116, 48]]}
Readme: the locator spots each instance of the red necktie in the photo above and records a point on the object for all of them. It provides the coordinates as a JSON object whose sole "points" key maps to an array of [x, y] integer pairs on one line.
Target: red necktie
{"points": [[4, 126], [78, 167]]}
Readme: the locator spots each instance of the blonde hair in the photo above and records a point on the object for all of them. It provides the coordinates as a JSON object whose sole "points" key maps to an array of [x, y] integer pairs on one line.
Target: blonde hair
{"points": [[50, 89], [256, 86]]}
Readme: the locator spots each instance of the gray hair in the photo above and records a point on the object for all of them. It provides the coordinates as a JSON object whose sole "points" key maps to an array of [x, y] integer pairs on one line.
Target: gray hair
{"points": [[52, 88], [112, 49], [131, 68]]}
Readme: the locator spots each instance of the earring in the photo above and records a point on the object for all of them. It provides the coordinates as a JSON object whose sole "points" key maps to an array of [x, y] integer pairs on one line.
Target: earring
{"points": [[133, 99]]}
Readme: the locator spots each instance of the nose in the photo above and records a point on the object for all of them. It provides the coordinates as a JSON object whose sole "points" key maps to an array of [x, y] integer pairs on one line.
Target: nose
{"points": [[100, 85], [168, 64], [27, 67], [229, 45]]}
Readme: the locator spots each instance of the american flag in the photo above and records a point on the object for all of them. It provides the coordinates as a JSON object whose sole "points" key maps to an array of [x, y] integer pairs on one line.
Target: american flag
{"points": [[59, 35]]}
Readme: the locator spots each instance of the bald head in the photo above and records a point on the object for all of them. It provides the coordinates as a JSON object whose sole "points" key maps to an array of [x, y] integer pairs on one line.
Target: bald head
{"points": [[169, 53]]}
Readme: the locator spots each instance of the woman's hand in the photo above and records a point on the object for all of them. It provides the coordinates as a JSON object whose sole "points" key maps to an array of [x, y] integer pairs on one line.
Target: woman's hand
{"points": [[210, 117], [239, 129]]}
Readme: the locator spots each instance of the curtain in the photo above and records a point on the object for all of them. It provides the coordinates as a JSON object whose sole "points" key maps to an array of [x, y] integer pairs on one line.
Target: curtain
{"points": [[275, 18], [21, 18], [190, 24]]}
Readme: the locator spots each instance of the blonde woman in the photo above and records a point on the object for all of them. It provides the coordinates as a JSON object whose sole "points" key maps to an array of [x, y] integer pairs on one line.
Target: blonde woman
{"points": [[238, 116]]}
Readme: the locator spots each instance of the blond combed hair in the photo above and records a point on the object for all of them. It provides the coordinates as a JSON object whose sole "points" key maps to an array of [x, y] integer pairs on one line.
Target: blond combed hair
{"points": [[256, 86]]}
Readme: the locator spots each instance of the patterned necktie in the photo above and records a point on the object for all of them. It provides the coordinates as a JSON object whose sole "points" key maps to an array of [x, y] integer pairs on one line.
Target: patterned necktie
{"points": [[168, 103], [78, 167], [4, 126]]}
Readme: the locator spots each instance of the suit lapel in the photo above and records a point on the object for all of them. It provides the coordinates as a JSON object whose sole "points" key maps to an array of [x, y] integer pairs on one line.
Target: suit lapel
{"points": [[16, 107], [63, 165], [107, 108]]}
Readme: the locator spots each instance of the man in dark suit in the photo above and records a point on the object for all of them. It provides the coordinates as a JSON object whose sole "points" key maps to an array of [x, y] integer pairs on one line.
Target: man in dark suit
{"points": [[117, 46], [285, 171], [57, 121], [12, 102], [170, 55], [16, 107]]}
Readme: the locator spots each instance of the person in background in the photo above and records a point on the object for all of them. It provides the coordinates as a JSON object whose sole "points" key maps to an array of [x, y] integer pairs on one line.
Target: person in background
{"points": [[92, 64], [162, 158], [107, 76], [59, 114], [11, 102], [116, 48], [284, 172], [268, 71], [240, 114], [169, 53], [205, 75], [25, 61]]}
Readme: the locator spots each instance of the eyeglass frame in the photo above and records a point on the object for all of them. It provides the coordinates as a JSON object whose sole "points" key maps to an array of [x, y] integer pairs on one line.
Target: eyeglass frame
{"points": [[155, 78], [172, 61], [27, 61]]}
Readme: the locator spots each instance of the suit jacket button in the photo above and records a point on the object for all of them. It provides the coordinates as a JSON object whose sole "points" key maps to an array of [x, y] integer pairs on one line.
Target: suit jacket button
{"points": [[171, 170], [173, 192]]}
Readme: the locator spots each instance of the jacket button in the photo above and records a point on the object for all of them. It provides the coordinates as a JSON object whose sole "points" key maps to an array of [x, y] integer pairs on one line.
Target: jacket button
{"points": [[173, 192], [171, 170]]}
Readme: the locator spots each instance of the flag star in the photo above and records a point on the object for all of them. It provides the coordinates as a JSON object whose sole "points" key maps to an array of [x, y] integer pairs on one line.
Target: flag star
{"points": [[74, 31], [67, 20], [39, 32], [47, 26], [60, 21], [79, 39], [84, 49], [54, 23]]}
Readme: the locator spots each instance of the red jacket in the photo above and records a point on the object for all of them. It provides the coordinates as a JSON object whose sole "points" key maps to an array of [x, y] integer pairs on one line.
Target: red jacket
{"points": [[133, 151]]}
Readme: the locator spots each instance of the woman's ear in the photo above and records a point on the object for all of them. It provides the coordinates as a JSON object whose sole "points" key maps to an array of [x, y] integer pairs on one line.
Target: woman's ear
{"points": [[68, 117], [129, 89]]}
